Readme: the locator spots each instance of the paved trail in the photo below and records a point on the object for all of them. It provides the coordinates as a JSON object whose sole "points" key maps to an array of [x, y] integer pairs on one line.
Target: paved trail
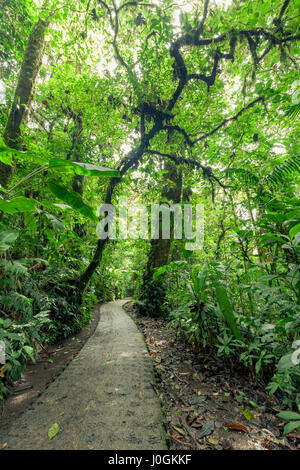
{"points": [[103, 399]]}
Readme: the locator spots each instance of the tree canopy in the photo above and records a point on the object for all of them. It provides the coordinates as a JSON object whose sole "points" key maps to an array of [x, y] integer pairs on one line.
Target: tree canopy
{"points": [[155, 101]]}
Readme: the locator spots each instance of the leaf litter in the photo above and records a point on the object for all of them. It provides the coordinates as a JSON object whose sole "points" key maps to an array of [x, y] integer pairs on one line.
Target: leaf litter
{"points": [[206, 405]]}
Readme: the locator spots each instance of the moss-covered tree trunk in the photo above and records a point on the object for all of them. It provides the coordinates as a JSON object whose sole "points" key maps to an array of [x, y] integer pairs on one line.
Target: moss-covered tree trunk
{"points": [[132, 159], [76, 152], [24, 93], [152, 291]]}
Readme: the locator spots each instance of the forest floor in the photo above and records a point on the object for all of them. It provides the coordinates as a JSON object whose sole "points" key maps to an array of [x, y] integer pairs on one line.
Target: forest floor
{"points": [[104, 399], [207, 406]]}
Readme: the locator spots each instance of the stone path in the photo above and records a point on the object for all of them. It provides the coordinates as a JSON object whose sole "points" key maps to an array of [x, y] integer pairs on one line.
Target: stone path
{"points": [[104, 399]]}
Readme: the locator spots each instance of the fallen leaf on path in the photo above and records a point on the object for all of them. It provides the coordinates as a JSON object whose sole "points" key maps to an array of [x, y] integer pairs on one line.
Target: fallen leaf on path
{"points": [[237, 427], [247, 413], [3, 446], [211, 441], [53, 430]]}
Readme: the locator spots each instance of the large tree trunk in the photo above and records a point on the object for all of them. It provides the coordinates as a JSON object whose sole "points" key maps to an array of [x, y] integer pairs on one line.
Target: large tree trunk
{"points": [[24, 93], [130, 161], [76, 153], [160, 248], [152, 291]]}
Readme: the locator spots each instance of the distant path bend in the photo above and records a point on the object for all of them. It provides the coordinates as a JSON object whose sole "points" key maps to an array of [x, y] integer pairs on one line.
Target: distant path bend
{"points": [[104, 399]]}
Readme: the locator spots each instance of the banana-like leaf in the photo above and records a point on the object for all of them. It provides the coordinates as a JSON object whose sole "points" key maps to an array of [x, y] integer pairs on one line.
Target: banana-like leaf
{"points": [[17, 204], [73, 199], [226, 309], [82, 168], [199, 279]]}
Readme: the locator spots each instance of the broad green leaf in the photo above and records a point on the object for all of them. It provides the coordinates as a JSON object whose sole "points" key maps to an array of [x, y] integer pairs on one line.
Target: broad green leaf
{"points": [[160, 271], [17, 204], [199, 279], [82, 168], [288, 415], [289, 427], [294, 230], [7, 153], [3, 146], [73, 199], [226, 309], [6, 158]]}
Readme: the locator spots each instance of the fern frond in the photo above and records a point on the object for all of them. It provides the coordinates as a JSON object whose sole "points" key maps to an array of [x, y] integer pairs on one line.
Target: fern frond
{"points": [[242, 175], [280, 172], [293, 111]]}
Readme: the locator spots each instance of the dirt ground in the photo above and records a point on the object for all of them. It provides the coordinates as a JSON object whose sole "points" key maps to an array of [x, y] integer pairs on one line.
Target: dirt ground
{"points": [[206, 406], [50, 362]]}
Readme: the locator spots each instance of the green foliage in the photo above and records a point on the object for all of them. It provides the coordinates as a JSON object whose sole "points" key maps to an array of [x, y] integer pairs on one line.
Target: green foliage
{"points": [[288, 168], [226, 309], [227, 109], [73, 199], [293, 421]]}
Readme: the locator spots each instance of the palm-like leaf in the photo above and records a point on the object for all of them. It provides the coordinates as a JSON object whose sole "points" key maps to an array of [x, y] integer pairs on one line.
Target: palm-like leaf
{"points": [[280, 172], [293, 111], [243, 175]]}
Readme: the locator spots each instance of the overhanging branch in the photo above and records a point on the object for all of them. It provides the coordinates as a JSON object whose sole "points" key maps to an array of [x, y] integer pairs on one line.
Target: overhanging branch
{"points": [[207, 170], [191, 142]]}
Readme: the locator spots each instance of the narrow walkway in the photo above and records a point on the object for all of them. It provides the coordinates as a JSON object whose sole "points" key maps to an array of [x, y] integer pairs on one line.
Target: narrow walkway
{"points": [[103, 400]]}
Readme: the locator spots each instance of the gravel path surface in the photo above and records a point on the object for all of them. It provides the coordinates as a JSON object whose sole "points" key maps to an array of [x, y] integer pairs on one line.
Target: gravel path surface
{"points": [[104, 399]]}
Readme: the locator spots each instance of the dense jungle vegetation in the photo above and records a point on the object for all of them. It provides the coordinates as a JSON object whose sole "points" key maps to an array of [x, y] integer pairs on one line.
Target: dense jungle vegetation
{"points": [[158, 101]]}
